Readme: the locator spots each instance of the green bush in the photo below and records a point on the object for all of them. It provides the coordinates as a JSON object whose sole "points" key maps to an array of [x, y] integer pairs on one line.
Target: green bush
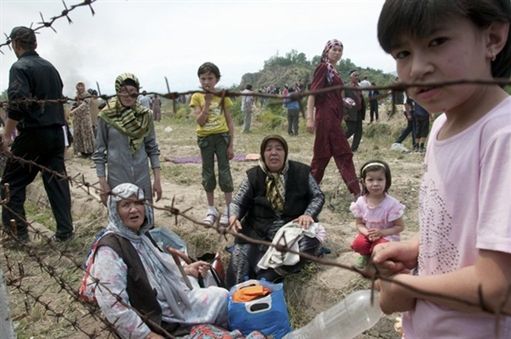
{"points": [[273, 116], [237, 115], [377, 130]]}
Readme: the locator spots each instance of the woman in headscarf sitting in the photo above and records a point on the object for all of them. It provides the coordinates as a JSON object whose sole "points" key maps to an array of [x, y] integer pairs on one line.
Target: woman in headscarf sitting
{"points": [[129, 265], [125, 141], [276, 196]]}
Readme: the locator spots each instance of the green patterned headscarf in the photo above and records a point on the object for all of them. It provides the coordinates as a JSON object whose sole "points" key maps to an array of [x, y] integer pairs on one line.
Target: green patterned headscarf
{"points": [[135, 122]]}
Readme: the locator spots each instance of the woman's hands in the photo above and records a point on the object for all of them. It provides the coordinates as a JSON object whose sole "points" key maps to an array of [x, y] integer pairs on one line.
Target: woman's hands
{"points": [[157, 190], [304, 221], [311, 100], [104, 190], [196, 268], [153, 335], [235, 223]]}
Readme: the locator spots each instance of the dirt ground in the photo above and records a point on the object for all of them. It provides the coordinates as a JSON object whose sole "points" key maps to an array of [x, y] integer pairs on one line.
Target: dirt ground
{"points": [[308, 294]]}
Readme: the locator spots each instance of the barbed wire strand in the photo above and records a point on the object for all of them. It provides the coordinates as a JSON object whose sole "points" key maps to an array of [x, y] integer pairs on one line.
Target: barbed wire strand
{"points": [[172, 210], [50, 270], [399, 87], [49, 24], [223, 231]]}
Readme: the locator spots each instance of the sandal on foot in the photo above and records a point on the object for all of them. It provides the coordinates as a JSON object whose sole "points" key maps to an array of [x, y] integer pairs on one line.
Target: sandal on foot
{"points": [[224, 220], [210, 218]]}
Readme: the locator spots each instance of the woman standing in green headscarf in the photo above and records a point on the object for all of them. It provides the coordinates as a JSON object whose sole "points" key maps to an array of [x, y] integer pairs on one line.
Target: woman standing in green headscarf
{"points": [[125, 141]]}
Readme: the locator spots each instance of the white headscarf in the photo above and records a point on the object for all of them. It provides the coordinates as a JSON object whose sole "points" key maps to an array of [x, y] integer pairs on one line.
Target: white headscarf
{"points": [[174, 287]]}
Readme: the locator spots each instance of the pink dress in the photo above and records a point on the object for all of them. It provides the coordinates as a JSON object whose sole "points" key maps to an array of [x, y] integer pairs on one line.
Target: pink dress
{"points": [[381, 216]]}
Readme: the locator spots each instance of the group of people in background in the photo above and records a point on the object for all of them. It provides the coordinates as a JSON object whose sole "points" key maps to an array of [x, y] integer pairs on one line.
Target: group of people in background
{"points": [[463, 246], [153, 102], [417, 126]]}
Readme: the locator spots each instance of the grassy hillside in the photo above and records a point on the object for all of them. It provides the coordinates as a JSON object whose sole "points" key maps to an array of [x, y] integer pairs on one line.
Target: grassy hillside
{"points": [[294, 68]]}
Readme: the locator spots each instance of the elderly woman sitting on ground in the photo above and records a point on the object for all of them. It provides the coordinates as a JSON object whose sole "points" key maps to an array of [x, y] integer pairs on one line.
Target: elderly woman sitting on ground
{"points": [[278, 201], [128, 264]]}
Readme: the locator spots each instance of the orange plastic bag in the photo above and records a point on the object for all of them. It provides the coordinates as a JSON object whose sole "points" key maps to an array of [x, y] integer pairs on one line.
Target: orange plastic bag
{"points": [[250, 293]]}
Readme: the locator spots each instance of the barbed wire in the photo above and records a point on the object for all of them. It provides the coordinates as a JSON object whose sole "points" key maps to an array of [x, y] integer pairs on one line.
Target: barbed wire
{"points": [[61, 281], [15, 277], [223, 231], [49, 23], [78, 180], [398, 86]]}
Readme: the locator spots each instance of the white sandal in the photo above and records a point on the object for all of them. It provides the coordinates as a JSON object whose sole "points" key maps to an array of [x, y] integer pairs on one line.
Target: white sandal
{"points": [[210, 218], [224, 220]]}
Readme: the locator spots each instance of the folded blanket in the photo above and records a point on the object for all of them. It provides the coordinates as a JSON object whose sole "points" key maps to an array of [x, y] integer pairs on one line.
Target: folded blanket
{"points": [[289, 236]]}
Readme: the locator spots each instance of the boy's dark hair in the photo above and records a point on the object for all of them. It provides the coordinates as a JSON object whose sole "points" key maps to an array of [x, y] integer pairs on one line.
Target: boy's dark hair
{"points": [[24, 37], [209, 67], [419, 17], [376, 165], [249, 87]]}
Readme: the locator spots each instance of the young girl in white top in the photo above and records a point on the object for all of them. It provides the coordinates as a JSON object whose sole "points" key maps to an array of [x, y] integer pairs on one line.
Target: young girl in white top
{"points": [[463, 249], [378, 215]]}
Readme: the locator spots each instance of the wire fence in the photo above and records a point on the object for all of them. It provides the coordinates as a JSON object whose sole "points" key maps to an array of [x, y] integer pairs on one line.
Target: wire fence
{"points": [[49, 23], [57, 261], [15, 273]]}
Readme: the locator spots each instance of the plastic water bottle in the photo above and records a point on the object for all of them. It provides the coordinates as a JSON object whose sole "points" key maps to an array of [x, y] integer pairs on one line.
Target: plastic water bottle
{"points": [[345, 320]]}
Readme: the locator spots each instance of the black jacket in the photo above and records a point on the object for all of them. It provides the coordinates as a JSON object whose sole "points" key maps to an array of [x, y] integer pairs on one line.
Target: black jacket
{"points": [[32, 77]]}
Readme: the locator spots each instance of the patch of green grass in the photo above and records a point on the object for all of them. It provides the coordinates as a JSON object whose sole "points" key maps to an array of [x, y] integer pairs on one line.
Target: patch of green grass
{"points": [[295, 284], [181, 174], [40, 213]]}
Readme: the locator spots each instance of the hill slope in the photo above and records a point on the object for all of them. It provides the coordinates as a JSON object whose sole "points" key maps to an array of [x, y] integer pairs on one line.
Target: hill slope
{"points": [[294, 68]]}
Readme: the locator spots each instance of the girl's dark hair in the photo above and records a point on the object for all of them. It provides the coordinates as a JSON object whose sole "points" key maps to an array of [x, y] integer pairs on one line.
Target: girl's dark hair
{"points": [[373, 166], [209, 67], [419, 17]]}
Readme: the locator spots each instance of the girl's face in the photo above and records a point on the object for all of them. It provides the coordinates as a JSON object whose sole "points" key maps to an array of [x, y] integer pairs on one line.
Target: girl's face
{"points": [[132, 212], [456, 49], [128, 95], [375, 182], [208, 81], [334, 54], [274, 156]]}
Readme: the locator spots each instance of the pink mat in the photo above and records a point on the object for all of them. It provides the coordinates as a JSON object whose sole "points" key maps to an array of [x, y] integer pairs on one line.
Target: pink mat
{"points": [[196, 159]]}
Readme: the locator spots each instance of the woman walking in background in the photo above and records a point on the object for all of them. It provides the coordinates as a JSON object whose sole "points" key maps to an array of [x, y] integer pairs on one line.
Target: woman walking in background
{"points": [[83, 134], [330, 140]]}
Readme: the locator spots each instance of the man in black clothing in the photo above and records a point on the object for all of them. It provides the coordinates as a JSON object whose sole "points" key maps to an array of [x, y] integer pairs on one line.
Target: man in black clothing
{"points": [[40, 136], [354, 114], [409, 129]]}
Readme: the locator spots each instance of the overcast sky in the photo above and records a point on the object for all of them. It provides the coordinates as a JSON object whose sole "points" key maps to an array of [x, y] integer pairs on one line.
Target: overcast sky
{"points": [[153, 39]]}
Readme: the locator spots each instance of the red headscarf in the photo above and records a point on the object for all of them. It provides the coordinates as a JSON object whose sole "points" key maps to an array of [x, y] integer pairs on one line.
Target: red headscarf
{"points": [[324, 58]]}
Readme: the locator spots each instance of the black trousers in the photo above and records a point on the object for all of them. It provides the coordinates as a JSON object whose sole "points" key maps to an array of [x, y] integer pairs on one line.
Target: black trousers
{"points": [[244, 259], [44, 146], [354, 128], [409, 129]]}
